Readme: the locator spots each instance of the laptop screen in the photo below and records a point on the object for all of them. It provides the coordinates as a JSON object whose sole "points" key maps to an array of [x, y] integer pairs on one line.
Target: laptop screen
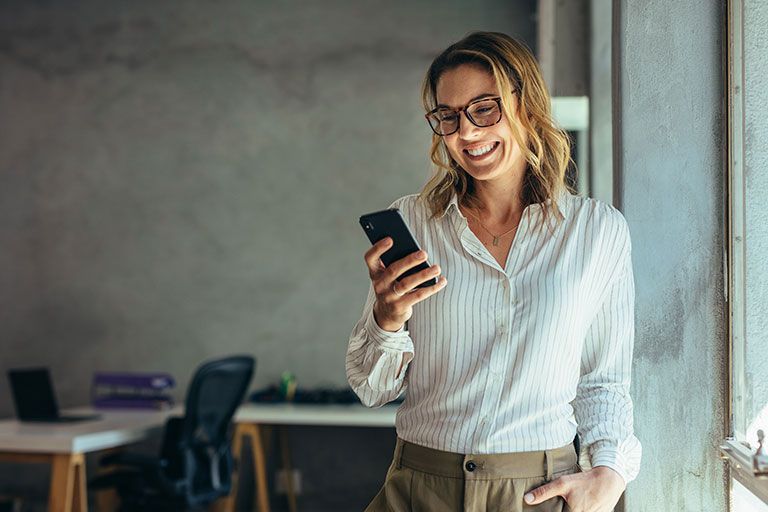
{"points": [[33, 394]]}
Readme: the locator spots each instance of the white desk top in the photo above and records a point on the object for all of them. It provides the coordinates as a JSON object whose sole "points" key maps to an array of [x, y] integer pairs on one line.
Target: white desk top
{"points": [[352, 415], [121, 427], [114, 428]]}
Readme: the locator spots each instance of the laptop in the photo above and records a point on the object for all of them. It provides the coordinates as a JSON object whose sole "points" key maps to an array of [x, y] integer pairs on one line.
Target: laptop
{"points": [[34, 398]]}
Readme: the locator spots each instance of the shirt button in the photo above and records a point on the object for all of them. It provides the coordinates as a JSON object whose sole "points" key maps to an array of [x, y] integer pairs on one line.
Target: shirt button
{"points": [[471, 466]]}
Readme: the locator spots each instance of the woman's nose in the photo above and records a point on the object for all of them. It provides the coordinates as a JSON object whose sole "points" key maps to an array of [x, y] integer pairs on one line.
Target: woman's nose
{"points": [[467, 129]]}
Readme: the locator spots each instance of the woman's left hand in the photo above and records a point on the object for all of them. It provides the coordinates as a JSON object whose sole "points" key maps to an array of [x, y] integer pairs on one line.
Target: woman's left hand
{"points": [[596, 490]]}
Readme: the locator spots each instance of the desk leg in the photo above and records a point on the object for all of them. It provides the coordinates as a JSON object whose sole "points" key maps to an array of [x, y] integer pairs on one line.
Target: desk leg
{"points": [[259, 468], [287, 468], [67, 491], [261, 498]]}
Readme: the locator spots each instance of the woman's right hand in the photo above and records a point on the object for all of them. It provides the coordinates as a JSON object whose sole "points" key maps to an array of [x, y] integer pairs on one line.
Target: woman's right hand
{"points": [[390, 309]]}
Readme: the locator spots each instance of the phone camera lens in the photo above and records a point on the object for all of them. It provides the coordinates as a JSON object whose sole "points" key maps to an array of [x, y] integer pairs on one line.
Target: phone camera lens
{"points": [[368, 226]]}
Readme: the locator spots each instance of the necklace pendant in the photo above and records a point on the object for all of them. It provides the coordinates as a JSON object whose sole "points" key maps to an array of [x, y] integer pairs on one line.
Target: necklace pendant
{"points": [[496, 240]]}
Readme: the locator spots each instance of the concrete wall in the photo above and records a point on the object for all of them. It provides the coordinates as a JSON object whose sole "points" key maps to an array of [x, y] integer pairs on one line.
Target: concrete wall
{"points": [[181, 180], [672, 179]]}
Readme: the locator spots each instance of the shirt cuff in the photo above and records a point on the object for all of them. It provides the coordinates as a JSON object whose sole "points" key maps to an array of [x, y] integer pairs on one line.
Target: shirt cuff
{"points": [[398, 341], [606, 453]]}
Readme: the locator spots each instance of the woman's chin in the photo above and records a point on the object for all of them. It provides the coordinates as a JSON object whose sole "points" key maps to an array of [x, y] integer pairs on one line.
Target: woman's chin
{"points": [[483, 173]]}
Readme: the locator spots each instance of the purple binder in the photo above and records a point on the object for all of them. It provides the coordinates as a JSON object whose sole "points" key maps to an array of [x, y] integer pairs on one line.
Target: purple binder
{"points": [[131, 390]]}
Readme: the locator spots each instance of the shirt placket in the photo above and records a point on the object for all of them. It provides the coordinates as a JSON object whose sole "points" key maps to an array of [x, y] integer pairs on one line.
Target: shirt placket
{"points": [[496, 370]]}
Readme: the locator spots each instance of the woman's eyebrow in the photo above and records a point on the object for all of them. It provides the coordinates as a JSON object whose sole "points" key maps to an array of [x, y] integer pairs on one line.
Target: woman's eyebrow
{"points": [[486, 95]]}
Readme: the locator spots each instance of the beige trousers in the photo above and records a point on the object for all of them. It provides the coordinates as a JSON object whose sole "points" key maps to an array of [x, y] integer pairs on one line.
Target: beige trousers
{"points": [[421, 479]]}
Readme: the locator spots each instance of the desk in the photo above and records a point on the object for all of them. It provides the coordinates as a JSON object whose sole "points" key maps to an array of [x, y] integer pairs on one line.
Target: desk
{"points": [[63, 445], [251, 417]]}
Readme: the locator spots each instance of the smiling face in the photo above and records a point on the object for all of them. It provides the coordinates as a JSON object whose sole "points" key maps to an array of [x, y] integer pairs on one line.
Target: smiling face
{"points": [[489, 154]]}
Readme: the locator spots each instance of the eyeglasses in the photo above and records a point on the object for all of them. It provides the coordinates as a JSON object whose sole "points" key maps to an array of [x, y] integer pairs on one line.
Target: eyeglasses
{"points": [[481, 113]]}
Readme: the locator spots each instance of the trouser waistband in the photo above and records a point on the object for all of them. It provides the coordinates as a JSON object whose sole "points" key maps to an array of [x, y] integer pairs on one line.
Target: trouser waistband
{"points": [[542, 463]]}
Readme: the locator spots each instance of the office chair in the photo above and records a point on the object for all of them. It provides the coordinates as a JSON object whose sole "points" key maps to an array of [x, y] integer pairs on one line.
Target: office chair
{"points": [[195, 463]]}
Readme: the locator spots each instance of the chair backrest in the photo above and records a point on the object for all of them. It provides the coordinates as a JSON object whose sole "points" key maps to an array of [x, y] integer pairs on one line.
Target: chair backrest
{"points": [[216, 390]]}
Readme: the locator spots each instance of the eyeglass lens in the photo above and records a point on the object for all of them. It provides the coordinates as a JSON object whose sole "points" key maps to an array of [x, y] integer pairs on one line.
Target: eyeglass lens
{"points": [[483, 113]]}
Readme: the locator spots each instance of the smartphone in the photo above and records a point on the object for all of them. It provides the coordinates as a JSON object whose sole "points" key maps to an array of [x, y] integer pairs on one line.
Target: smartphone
{"points": [[391, 223]]}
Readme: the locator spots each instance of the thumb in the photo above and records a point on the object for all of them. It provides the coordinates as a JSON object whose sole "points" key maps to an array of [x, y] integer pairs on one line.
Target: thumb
{"points": [[545, 492]]}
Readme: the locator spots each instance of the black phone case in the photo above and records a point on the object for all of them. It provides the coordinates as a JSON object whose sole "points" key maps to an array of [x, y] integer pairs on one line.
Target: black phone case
{"points": [[391, 223]]}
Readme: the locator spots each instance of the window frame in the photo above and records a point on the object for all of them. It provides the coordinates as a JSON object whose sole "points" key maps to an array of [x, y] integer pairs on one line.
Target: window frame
{"points": [[735, 448]]}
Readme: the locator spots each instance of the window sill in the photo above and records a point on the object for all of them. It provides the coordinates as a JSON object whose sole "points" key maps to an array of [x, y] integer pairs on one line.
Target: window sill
{"points": [[742, 465]]}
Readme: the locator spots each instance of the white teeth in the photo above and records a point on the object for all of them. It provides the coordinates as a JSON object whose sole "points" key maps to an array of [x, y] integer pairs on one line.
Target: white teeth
{"points": [[481, 150]]}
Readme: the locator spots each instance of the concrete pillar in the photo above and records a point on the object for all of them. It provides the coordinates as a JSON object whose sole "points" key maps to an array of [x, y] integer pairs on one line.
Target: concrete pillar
{"points": [[671, 192]]}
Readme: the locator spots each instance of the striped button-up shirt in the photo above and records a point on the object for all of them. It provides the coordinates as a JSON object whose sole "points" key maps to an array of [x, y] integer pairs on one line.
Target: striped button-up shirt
{"points": [[515, 358]]}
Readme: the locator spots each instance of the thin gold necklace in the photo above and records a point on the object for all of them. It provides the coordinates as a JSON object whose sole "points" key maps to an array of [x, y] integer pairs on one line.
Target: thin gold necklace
{"points": [[496, 238]]}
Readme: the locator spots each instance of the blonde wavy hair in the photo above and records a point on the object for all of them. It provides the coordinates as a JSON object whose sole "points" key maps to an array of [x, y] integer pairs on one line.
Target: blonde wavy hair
{"points": [[547, 153]]}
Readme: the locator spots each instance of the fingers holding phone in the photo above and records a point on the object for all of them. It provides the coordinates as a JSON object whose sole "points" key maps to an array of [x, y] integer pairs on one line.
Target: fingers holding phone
{"points": [[398, 269], [395, 298], [373, 257], [403, 282]]}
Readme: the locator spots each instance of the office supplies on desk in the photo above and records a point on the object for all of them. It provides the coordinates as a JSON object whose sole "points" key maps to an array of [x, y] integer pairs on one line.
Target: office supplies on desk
{"points": [[131, 390], [34, 397]]}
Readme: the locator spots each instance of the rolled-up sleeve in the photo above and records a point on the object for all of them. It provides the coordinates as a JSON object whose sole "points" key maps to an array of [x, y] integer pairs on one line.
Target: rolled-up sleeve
{"points": [[374, 357], [603, 407]]}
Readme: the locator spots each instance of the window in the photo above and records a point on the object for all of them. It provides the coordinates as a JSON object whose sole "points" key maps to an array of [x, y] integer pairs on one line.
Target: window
{"points": [[746, 254]]}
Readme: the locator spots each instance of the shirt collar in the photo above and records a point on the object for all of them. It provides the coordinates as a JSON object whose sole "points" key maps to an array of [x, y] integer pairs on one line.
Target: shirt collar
{"points": [[453, 205], [563, 198]]}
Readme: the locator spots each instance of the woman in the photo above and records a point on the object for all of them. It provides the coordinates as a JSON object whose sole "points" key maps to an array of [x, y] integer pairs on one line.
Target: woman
{"points": [[529, 339]]}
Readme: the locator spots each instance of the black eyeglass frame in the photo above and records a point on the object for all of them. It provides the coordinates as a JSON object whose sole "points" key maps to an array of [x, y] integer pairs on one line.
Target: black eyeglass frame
{"points": [[458, 110]]}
